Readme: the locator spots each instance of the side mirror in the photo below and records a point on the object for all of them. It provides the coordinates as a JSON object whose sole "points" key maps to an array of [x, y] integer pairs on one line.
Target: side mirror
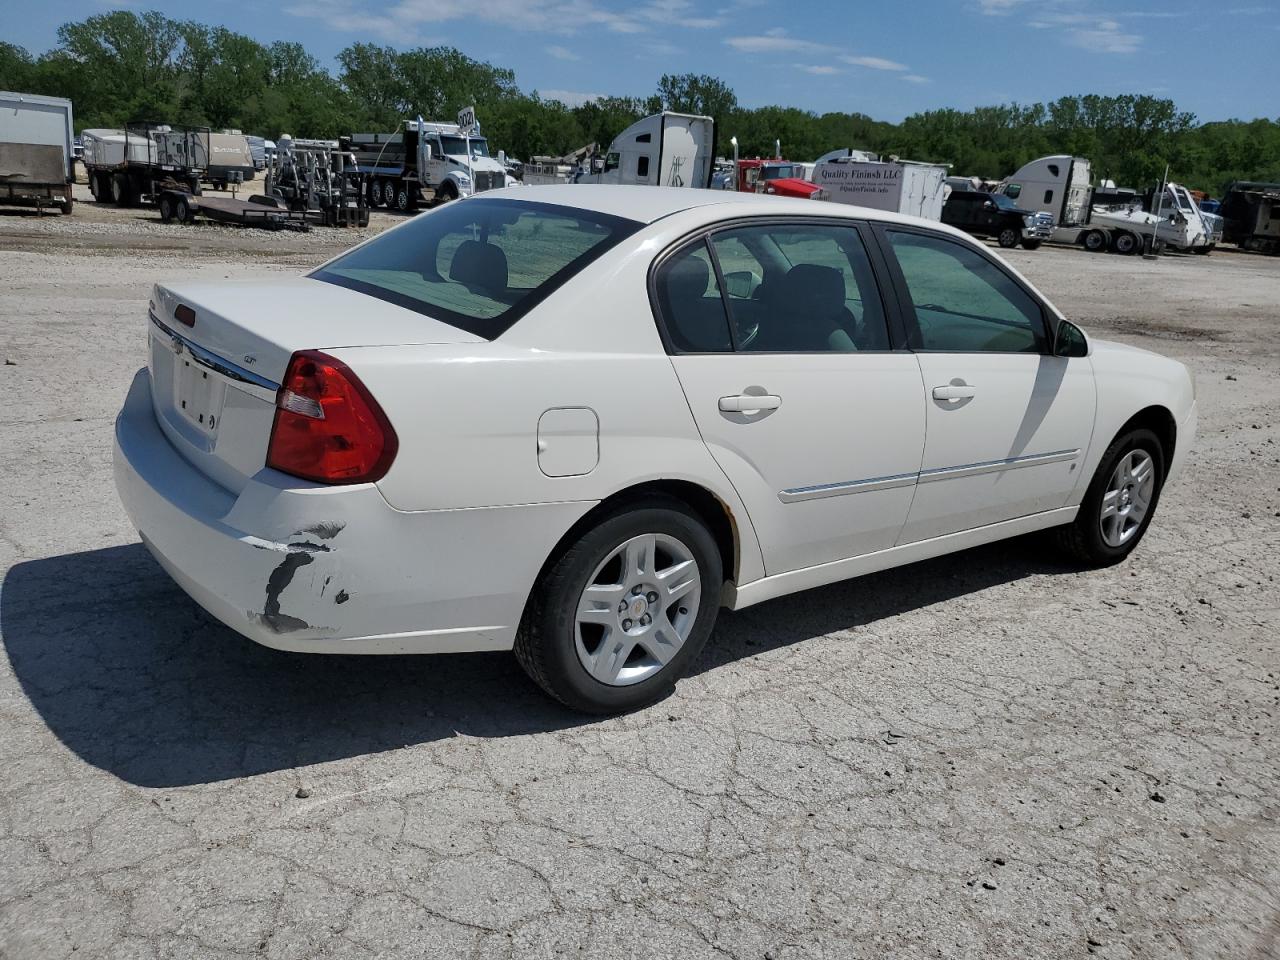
{"points": [[427, 149], [989, 204], [1070, 341]]}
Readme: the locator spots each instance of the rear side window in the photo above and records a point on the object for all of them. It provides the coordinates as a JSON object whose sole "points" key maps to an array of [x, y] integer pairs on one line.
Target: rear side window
{"points": [[801, 289], [690, 300], [962, 301], [478, 264]]}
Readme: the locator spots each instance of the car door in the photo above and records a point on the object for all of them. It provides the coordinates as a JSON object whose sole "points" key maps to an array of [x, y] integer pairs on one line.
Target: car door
{"points": [[779, 335], [1007, 423]]}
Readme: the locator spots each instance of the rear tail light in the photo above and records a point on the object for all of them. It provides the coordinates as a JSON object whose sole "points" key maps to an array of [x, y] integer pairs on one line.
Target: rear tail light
{"points": [[328, 428]]}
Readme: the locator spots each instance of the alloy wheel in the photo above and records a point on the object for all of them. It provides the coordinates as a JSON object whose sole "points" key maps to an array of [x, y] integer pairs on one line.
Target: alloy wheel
{"points": [[1127, 498], [637, 610]]}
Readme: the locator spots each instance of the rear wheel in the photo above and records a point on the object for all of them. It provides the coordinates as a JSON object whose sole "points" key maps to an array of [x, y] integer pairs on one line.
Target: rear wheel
{"points": [[1009, 237], [617, 619], [1120, 502], [1095, 241], [166, 208], [1126, 244], [120, 193], [182, 210]]}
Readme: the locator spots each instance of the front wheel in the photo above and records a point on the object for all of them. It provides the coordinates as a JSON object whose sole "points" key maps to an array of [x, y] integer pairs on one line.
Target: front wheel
{"points": [[1009, 237], [1120, 501], [617, 619]]}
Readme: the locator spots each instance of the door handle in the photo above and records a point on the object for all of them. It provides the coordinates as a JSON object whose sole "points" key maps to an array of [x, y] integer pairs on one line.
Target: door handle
{"points": [[749, 403], [954, 391]]}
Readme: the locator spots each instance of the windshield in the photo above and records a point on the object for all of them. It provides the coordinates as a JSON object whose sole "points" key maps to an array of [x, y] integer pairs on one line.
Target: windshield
{"points": [[457, 146], [1003, 202], [776, 172], [481, 264]]}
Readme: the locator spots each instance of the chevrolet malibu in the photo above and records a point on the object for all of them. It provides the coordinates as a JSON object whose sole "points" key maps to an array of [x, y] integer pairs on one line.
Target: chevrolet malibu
{"points": [[575, 421]]}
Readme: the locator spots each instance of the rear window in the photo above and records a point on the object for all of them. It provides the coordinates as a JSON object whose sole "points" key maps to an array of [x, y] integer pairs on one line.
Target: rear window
{"points": [[479, 264]]}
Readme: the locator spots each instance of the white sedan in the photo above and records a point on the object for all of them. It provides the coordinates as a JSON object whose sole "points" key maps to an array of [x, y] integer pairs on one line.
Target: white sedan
{"points": [[576, 421]]}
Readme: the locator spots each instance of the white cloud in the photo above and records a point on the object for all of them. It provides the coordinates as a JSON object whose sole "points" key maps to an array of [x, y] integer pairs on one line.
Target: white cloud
{"points": [[819, 70], [570, 98], [401, 20], [775, 41], [1105, 36], [874, 63], [562, 53], [915, 78], [995, 8]]}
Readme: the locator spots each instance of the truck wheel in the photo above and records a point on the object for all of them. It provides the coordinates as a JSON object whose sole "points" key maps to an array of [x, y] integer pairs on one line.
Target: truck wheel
{"points": [[375, 193], [1009, 237], [119, 191], [1031, 244], [93, 185], [1095, 241], [402, 198], [1126, 243], [67, 206], [448, 191], [166, 209], [182, 210]]}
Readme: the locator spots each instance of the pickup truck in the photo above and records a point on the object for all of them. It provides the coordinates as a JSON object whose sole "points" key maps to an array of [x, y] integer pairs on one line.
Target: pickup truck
{"points": [[995, 215]]}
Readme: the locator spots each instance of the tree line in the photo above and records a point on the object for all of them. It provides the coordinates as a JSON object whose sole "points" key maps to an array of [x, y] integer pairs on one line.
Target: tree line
{"points": [[122, 66]]}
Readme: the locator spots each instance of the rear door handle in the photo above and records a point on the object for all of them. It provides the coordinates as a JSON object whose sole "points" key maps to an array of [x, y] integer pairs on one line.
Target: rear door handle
{"points": [[954, 391], [749, 403]]}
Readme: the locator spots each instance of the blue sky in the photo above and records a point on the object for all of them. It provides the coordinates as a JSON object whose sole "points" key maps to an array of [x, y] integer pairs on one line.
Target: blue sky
{"points": [[885, 58]]}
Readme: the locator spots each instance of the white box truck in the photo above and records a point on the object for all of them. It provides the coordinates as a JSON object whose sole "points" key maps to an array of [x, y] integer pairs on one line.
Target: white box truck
{"points": [[900, 186], [37, 153]]}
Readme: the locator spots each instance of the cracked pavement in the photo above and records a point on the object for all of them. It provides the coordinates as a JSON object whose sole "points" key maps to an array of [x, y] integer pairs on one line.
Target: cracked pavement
{"points": [[985, 755]]}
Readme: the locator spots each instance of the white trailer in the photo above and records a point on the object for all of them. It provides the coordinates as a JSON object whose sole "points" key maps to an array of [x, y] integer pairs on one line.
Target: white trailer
{"points": [[37, 152], [666, 149], [901, 186]]}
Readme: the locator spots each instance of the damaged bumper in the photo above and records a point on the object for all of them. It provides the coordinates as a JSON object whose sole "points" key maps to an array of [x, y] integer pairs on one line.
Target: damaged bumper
{"points": [[322, 569]]}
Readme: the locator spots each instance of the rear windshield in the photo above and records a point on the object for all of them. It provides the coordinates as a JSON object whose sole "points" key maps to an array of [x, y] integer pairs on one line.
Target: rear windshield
{"points": [[478, 264]]}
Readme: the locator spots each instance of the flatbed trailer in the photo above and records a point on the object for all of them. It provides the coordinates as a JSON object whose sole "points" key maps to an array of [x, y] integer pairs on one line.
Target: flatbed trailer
{"points": [[266, 213]]}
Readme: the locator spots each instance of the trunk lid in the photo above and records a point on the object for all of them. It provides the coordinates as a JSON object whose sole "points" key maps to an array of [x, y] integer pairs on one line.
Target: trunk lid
{"points": [[213, 382]]}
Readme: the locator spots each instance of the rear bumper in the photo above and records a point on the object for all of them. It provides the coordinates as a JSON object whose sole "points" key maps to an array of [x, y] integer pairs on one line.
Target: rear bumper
{"points": [[311, 568]]}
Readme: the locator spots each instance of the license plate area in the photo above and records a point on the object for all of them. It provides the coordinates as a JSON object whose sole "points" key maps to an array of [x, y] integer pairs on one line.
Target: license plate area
{"points": [[198, 395]]}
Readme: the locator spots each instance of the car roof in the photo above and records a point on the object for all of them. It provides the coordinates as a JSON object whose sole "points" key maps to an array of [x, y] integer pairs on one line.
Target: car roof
{"points": [[649, 204]]}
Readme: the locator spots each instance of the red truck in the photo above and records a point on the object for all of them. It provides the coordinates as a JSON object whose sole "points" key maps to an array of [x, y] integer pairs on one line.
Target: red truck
{"points": [[775, 176]]}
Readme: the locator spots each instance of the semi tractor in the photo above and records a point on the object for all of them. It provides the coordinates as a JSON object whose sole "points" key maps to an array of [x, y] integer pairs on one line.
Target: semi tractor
{"points": [[144, 160], [426, 162], [37, 153], [666, 149], [1105, 219]]}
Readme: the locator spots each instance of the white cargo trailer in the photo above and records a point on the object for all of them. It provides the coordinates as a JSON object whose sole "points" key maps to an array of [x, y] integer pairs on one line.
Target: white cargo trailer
{"points": [[37, 153], [901, 186]]}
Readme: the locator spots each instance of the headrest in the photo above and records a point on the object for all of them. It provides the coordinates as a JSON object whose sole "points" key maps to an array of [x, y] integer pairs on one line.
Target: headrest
{"points": [[479, 265], [812, 289], [687, 280]]}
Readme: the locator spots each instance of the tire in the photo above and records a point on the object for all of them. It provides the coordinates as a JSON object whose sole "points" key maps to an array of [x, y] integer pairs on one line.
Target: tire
{"points": [[448, 191], [1009, 237], [375, 193], [568, 657], [166, 209], [182, 210], [120, 191], [1097, 541], [1095, 241], [1031, 244], [67, 206], [93, 186], [1126, 244], [403, 201]]}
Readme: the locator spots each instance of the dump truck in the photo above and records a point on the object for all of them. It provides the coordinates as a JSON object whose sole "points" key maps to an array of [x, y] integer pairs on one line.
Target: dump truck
{"points": [[37, 154], [1251, 216]]}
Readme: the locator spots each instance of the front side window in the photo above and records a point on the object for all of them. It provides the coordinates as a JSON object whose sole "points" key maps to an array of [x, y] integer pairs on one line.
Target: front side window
{"points": [[1012, 190], [962, 301], [478, 264], [800, 289]]}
